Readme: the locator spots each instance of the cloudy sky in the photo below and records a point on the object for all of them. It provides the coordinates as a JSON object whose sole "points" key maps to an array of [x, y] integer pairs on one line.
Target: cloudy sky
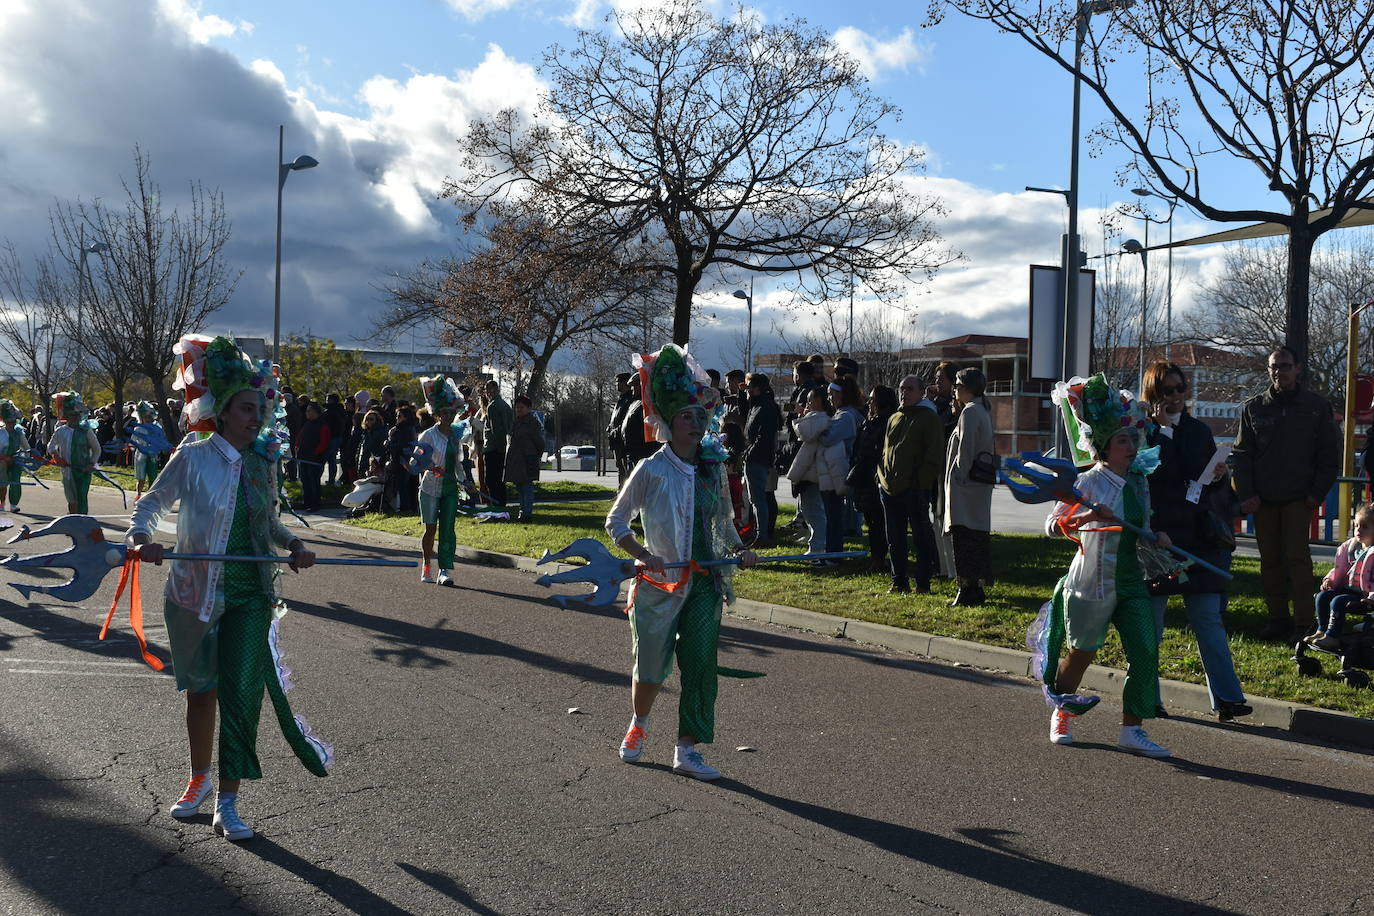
{"points": [[379, 92]]}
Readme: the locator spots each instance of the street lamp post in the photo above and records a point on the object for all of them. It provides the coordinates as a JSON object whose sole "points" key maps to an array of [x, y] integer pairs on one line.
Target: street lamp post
{"points": [[1133, 247], [749, 332], [1072, 254], [1168, 271], [81, 280], [283, 169]]}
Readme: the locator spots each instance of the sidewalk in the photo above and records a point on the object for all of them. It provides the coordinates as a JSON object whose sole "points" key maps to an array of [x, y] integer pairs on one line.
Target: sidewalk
{"points": [[1178, 696]]}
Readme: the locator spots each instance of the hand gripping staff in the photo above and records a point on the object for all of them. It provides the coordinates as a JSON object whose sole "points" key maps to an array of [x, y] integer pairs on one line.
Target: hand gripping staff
{"points": [[91, 558], [1057, 484], [607, 571]]}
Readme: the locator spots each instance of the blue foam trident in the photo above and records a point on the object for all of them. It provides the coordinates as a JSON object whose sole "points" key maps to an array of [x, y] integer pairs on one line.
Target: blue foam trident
{"points": [[1053, 478], [149, 439]]}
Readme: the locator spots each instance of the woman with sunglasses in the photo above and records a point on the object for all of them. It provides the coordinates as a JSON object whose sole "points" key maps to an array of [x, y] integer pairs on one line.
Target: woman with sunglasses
{"points": [[1200, 525]]}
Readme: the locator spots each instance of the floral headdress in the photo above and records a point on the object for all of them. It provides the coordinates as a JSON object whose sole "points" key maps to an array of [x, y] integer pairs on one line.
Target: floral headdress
{"points": [[441, 393], [9, 413], [1093, 413], [212, 371], [147, 413], [68, 404], [670, 382]]}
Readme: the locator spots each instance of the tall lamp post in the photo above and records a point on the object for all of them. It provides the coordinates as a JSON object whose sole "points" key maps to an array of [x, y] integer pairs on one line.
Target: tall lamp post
{"points": [[1168, 270], [87, 249], [749, 332], [283, 169], [1131, 246], [1072, 255]]}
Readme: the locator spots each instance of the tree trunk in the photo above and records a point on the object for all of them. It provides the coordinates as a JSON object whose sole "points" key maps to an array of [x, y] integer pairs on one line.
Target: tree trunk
{"points": [[682, 311], [1300, 242], [170, 422]]}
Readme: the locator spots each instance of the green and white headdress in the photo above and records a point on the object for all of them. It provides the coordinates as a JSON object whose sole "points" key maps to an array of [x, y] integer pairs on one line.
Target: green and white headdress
{"points": [[213, 371], [9, 413], [68, 405], [147, 413], [671, 381], [1093, 413], [441, 393]]}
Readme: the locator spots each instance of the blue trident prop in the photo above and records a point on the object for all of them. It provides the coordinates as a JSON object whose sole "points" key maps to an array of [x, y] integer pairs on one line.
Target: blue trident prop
{"points": [[1053, 478]]}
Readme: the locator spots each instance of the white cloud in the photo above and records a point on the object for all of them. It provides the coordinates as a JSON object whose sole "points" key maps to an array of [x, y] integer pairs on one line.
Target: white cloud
{"points": [[878, 57], [585, 14], [472, 10], [200, 29], [204, 116]]}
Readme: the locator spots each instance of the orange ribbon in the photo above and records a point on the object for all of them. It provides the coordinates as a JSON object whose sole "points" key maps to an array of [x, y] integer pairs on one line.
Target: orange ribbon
{"points": [[128, 575], [667, 585], [1068, 530]]}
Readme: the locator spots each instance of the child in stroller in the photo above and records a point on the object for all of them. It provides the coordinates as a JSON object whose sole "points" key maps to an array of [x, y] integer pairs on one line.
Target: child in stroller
{"points": [[1346, 592], [367, 491]]}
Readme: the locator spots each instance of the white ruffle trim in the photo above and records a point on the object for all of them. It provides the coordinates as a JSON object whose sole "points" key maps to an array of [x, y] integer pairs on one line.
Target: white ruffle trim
{"points": [[323, 749]]}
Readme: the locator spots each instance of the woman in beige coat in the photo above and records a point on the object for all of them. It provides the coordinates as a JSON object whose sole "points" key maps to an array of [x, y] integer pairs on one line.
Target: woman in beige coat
{"points": [[968, 504]]}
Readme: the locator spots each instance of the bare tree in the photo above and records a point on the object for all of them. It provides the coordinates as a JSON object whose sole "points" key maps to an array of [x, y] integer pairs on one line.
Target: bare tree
{"points": [[693, 142], [523, 298], [32, 302], [160, 278], [1284, 86], [1242, 308]]}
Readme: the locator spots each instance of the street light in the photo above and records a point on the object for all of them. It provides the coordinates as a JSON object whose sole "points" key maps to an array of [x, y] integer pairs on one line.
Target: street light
{"points": [[749, 333], [87, 249], [1071, 252], [1168, 270], [1131, 246], [283, 169]]}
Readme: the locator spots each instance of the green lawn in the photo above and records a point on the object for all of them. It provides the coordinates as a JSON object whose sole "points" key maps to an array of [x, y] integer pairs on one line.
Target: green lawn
{"points": [[1026, 567]]}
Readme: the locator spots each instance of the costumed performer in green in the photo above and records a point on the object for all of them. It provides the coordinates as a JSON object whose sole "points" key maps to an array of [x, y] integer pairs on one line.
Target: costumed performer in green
{"points": [[75, 448], [223, 618], [145, 466], [13, 443], [682, 499], [440, 483], [1105, 584]]}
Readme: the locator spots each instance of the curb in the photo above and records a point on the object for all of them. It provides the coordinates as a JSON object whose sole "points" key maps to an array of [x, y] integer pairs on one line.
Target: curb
{"points": [[1300, 719]]}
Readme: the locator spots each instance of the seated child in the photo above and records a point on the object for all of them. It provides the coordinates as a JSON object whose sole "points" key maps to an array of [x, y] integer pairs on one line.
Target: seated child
{"points": [[1349, 585]]}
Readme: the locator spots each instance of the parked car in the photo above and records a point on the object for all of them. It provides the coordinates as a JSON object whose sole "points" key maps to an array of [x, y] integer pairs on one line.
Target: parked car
{"points": [[578, 457]]}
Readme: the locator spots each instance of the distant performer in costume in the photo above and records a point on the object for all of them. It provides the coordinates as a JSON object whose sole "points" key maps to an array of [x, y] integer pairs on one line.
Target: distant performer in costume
{"points": [[145, 466], [13, 444], [223, 617], [680, 495], [441, 482], [1105, 584], [75, 448]]}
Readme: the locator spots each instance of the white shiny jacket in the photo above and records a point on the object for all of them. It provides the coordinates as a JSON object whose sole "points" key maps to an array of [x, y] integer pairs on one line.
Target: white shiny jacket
{"points": [[60, 445], [433, 484], [660, 490], [203, 475]]}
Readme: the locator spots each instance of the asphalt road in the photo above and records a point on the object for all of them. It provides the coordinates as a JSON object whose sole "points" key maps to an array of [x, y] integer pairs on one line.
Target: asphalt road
{"points": [[875, 783]]}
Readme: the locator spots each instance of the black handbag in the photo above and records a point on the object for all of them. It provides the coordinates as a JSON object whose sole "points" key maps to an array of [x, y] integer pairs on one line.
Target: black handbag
{"points": [[1216, 521], [985, 466]]}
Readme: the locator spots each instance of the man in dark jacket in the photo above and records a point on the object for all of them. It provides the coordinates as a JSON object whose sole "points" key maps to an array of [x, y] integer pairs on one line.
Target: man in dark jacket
{"points": [[761, 427], [495, 439], [913, 456], [1287, 457], [337, 420], [637, 447]]}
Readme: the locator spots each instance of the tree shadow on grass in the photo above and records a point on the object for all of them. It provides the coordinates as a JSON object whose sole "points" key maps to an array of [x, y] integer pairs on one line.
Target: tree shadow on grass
{"points": [[991, 859]]}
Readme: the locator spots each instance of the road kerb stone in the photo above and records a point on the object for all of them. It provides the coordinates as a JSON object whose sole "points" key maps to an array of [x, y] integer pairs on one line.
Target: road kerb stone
{"points": [[1308, 721]]}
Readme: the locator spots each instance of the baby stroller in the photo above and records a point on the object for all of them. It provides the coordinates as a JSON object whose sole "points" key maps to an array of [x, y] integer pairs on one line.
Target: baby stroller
{"points": [[366, 496], [1356, 652]]}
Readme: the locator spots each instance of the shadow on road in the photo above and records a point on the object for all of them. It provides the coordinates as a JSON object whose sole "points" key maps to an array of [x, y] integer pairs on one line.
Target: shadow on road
{"points": [[991, 859], [404, 636], [345, 890], [71, 633], [1350, 797], [65, 859], [448, 887]]}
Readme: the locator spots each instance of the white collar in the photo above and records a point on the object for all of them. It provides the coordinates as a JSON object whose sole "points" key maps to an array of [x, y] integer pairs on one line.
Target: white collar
{"points": [[1112, 476], [677, 462], [230, 453]]}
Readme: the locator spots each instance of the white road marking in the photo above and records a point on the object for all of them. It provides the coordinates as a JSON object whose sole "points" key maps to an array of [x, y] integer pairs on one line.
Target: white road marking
{"points": [[81, 673], [62, 661]]}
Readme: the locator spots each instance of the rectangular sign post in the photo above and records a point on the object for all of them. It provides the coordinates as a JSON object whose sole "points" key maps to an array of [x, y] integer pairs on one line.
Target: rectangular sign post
{"points": [[1046, 358]]}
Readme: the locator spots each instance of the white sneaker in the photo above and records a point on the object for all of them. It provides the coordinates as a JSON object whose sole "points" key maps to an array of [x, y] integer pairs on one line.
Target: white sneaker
{"points": [[1134, 739], [197, 790], [228, 822], [1061, 727], [689, 763], [446, 579], [426, 576], [633, 745]]}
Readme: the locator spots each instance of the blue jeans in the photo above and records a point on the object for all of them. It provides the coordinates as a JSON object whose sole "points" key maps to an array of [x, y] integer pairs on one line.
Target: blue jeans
{"points": [[756, 484], [1332, 607], [526, 499], [812, 508], [909, 508], [1204, 616], [836, 515]]}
